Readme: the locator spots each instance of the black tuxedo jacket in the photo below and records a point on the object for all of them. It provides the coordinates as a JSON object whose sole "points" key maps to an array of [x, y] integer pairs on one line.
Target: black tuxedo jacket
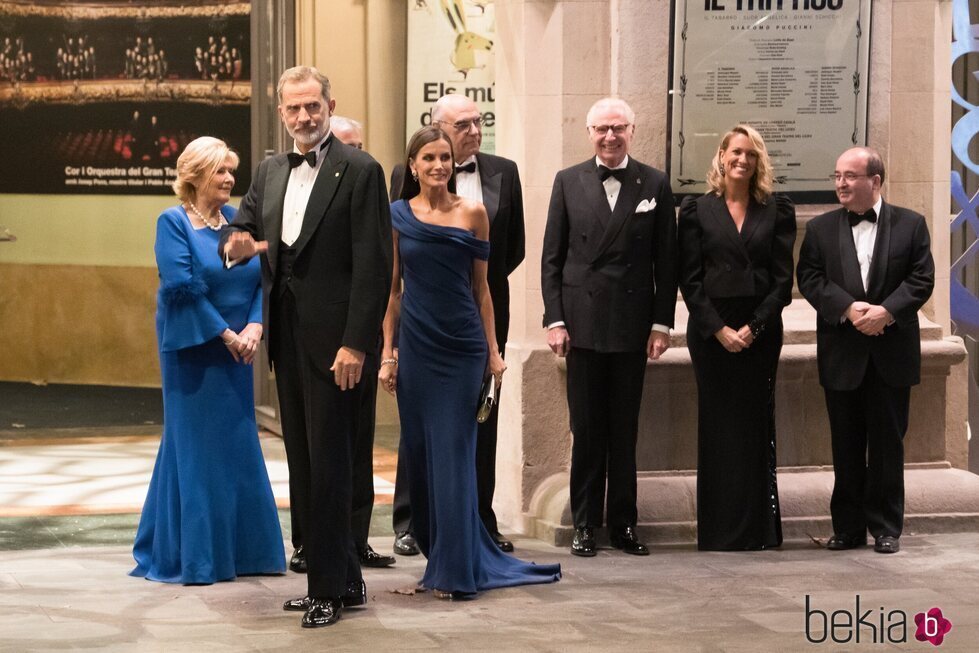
{"points": [[902, 276], [718, 262], [341, 278], [609, 275], [503, 199]]}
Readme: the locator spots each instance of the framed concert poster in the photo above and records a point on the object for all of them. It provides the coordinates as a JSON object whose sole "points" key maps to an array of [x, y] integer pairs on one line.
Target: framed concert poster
{"points": [[795, 70]]}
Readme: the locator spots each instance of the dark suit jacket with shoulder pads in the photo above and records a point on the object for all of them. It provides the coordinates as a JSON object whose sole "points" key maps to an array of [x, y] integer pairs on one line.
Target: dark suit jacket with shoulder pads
{"points": [[716, 261]]}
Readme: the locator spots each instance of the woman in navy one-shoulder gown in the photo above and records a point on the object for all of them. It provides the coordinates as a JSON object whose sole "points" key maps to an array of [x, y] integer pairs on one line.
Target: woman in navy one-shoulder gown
{"points": [[445, 344]]}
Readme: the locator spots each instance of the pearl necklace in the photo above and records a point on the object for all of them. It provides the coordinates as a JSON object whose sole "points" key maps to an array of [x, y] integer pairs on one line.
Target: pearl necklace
{"points": [[213, 227]]}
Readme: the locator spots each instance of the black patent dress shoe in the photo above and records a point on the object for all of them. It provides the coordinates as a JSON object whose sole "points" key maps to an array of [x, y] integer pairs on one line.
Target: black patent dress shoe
{"points": [[297, 562], [887, 544], [322, 612], [355, 595], [506, 546], [583, 543], [405, 545], [371, 558], [844, 541], [626, 540], [297, 605]]}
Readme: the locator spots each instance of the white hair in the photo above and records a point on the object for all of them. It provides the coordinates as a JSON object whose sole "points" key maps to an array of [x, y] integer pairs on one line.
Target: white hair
{"points": [[342, 122], [611, 103], [448, 100]]}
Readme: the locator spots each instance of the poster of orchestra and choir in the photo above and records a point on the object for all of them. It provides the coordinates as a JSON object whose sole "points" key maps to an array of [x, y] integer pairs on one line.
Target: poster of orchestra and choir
{"points": [[101, 97]]}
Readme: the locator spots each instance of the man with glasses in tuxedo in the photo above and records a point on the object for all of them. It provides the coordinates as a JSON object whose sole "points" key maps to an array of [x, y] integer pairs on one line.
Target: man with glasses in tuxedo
{"points": [[609, 280], [495, 182], [867, 268]]}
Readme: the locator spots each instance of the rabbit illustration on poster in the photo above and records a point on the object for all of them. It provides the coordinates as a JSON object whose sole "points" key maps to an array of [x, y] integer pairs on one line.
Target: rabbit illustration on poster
{"points": [[467, 43]]}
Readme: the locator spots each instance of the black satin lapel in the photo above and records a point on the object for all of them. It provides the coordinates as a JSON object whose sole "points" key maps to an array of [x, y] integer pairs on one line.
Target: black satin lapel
{"points": [[325, 187], [594, 192], [756, 214], [723, 221], [625, 207], [852, 281], [878, 264], [491, 182], [275, 195]]}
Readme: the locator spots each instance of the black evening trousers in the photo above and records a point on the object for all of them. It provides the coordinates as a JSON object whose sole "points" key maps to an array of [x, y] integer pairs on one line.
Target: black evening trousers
{"points": [[737, 495]]}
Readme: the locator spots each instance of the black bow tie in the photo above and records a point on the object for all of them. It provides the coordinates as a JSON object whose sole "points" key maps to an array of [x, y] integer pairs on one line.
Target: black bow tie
{"points": [[296, 159], [605, 172], [467, 167], [857, 218]]}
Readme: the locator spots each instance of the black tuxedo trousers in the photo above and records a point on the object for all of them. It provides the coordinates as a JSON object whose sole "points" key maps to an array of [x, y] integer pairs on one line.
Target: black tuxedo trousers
{"points": [[318, 422], [604, 396], [867, 427]]}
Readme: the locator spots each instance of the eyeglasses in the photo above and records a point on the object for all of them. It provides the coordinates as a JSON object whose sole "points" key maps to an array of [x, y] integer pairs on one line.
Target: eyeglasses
{"points": [[465, 125], [849, 176], [602, 130]]}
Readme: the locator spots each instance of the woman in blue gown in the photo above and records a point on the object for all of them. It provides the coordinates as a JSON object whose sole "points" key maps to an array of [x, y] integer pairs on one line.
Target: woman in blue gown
{"points": [[209, 513], [446, 343]]}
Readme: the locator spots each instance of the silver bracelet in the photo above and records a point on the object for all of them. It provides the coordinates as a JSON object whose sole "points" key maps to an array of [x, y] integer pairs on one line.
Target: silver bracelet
{"points": [[389, 361]]}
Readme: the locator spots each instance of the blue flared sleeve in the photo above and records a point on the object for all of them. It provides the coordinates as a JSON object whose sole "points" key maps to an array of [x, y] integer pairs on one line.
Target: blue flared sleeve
{"points": [[185, 315]]}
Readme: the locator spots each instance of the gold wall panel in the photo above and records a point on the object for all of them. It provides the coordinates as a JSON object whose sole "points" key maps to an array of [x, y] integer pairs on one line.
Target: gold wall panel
{"points": [[78, 324]]}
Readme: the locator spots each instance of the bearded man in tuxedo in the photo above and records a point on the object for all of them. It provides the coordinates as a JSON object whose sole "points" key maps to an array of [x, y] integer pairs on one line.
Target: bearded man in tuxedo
{"points": [[319, 218]]}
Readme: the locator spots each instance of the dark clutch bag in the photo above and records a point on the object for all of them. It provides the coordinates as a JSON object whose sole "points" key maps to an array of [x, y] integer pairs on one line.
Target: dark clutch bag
{"points": [[487, 399]]}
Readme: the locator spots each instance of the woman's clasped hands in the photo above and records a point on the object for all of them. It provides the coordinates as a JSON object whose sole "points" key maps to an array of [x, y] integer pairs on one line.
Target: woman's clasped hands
{"points": [[735, 341], [244, 345]]}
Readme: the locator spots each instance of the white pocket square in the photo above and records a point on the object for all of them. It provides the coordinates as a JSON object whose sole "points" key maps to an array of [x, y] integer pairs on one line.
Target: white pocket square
{"points": [[646, 205]]}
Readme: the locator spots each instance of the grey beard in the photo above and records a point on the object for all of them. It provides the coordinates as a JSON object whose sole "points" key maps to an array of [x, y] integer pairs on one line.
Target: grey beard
{"points": [[308, 138]]}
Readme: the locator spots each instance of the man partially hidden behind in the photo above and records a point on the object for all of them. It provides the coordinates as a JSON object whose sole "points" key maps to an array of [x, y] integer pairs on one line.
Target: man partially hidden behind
{"points": [[867, 268], [348, 131], [608, 276], [494, 182], [320, 219]]}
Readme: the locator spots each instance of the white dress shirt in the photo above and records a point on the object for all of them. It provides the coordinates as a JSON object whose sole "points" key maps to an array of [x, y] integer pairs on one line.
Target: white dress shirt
{"points": [[298, 190], [468, 184], [864, 239], [613, 185]]}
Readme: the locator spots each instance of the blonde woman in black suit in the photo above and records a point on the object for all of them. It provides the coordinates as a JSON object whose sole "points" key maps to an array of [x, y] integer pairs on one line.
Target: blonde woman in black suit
{"points": [[735, 250]]}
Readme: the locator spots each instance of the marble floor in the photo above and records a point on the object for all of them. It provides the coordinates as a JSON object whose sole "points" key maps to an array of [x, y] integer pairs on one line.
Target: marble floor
{"points": [[68, 511]]}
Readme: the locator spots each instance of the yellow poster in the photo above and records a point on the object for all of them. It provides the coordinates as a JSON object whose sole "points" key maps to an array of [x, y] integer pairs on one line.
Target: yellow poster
{"points": [[451, 50]]}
